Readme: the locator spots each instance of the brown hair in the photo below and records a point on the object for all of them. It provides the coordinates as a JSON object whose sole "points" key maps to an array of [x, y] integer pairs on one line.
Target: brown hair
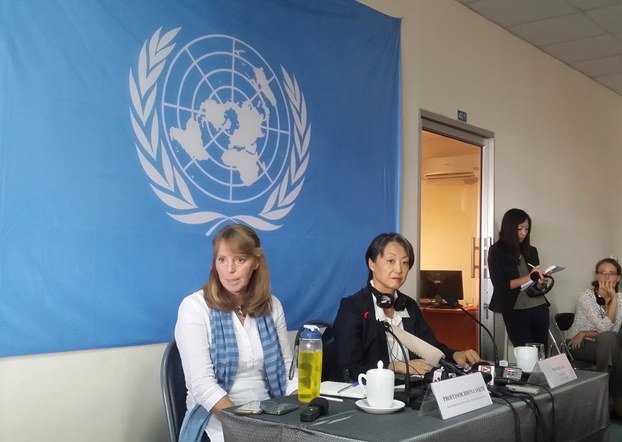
{"points": [[258, 296], [614, 263]]}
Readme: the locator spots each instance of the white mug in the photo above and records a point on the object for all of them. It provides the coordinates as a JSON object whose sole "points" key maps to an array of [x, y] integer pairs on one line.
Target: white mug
{"points": [[540, 348], [526, 358], [378, 386]]}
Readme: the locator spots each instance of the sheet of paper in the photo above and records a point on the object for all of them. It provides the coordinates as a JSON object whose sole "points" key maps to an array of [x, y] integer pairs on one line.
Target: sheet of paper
{"points": [[342, 389], [461, 394], [553, 269], [527, 284], [557, 370]]}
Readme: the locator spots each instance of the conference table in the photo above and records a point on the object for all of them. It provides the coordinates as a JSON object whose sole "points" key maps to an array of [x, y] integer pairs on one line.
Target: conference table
{"points": [[581, 413]]}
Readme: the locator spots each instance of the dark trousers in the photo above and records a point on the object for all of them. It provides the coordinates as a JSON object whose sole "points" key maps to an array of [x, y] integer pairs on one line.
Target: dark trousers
{"points": [[528, 325], [605, 352]]}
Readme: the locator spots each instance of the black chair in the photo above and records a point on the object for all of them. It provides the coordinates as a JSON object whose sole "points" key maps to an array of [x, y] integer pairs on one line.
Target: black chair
{"points": [[173, 389], [329, 355], [564, 321]]}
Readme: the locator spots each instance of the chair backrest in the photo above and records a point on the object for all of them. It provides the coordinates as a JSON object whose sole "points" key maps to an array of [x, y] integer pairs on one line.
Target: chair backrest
{"points": [[564, 320], [329, 355], [173, 389]]}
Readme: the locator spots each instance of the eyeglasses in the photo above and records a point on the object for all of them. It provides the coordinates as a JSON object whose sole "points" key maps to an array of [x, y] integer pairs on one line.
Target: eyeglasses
{"points": [[607, 274]]}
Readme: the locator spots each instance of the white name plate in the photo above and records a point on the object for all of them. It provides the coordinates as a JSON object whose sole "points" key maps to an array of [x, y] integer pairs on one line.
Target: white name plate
{"points": [[557, 370], [461, 394]]}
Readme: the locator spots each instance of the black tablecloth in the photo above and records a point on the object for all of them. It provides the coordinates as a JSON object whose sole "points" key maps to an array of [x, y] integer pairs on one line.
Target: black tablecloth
{"points": [[581, 413]]}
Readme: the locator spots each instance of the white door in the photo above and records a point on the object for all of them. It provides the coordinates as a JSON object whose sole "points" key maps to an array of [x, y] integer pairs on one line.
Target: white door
{"points": [[456, 211]]}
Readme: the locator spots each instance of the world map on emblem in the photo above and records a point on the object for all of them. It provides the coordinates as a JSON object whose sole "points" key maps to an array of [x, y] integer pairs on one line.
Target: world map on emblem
{"points": [[225, 118]]}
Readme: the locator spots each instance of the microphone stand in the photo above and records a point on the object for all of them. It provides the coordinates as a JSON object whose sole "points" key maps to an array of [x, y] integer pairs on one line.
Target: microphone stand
{"points": [[407, 393], [454, 303], [449, 367]]}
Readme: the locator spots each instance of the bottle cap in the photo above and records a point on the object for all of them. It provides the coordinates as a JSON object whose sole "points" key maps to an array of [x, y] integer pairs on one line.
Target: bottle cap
{"points": [[311, 332]]}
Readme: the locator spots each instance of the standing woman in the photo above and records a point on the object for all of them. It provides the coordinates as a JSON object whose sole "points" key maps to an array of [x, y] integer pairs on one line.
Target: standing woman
{"points": [[512, 261], [232, 335]]}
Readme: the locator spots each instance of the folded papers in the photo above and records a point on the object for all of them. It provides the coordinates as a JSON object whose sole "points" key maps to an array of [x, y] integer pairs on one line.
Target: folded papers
{"points": [[342, 389]]}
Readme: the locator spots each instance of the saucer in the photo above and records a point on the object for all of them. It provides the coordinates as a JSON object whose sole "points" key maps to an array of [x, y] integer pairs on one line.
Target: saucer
{"points": [[364, 405]]}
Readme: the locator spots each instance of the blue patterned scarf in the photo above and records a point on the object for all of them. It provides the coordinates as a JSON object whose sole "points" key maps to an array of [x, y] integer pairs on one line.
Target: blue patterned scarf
{"points": [[224, 355]]}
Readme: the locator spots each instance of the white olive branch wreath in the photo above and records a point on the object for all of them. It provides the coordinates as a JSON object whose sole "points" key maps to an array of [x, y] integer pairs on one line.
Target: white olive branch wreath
{"points": [[168, 183]]}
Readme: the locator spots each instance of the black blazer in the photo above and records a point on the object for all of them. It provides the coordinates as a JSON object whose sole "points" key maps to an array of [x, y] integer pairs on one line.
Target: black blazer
{"points": [[502, 271], [361, 342]]}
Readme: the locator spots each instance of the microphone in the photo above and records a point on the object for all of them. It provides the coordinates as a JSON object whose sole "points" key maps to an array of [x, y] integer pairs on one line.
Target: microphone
{"points": [[418, 346], [425, 351], [487, 377], [316, 408], [384, 325], [454, 303]]}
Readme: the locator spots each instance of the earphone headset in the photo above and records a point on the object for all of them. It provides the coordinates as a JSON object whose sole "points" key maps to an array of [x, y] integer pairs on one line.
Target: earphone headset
{"points": [[534, 291], [599, 299], [384, 300]]}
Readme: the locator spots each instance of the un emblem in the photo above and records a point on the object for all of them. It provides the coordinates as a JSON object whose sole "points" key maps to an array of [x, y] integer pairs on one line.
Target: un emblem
{"points": [[223, 132]]}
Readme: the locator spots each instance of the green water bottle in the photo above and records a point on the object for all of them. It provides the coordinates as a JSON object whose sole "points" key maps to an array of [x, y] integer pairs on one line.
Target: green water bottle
{"points": [[309, 363]]}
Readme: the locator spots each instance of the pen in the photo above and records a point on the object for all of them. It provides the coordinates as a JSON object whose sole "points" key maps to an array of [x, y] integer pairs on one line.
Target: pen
{"points": [[336, 399], [348, 386]]}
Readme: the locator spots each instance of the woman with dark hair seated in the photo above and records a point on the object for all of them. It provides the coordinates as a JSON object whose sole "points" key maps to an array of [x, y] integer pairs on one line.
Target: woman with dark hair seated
{"points": [[360, 341], [595, 331]]}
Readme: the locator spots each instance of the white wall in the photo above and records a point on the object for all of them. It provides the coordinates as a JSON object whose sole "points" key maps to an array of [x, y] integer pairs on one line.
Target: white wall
{"points": [[557, 155], [95, 395], [557, 134]]}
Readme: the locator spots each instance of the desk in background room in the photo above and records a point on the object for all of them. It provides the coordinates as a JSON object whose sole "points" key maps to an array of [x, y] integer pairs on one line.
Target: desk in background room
{"points": [[581, 414], [452, 326]]}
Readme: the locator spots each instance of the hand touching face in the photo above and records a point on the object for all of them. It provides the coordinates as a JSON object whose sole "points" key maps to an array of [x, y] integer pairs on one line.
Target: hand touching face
{"points": [[607, 277]]}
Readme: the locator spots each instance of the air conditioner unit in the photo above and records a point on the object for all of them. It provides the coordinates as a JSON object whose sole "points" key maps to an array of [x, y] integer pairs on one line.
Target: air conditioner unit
{"points": [[465, 167]]}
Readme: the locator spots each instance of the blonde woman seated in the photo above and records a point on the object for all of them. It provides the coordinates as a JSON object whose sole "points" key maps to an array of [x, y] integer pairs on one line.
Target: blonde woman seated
{"points": [[596, 326], [232, 336]]}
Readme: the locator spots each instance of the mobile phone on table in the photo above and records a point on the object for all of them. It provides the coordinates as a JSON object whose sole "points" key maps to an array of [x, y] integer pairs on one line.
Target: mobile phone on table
{"points": [[273, 407], [253, 407]]}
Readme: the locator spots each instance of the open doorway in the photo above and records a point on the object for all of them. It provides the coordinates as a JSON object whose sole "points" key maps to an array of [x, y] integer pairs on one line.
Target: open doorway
{"points": [[455, 230]]}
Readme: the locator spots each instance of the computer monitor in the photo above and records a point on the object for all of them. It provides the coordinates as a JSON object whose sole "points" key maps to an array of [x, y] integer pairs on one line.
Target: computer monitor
{"points": [[435, 284]]}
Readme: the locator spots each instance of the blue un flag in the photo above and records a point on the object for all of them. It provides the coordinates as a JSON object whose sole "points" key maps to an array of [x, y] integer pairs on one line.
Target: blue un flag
{"points": [[131, 132]]}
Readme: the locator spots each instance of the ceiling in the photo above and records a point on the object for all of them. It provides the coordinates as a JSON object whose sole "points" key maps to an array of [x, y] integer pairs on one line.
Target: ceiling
{"points": [[584, 34]]}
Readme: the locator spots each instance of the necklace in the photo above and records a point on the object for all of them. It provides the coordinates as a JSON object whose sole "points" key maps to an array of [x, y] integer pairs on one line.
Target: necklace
{"points": [[239, 310]]}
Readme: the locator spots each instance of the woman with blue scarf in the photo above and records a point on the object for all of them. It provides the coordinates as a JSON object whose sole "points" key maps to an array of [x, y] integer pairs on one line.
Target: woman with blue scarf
{"points": [[232, 336]]}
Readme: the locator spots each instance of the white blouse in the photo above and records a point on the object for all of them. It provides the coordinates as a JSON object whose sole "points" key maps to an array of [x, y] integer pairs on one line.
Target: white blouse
{"points": [[192, 333], [395, 351], [589, 316]]}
